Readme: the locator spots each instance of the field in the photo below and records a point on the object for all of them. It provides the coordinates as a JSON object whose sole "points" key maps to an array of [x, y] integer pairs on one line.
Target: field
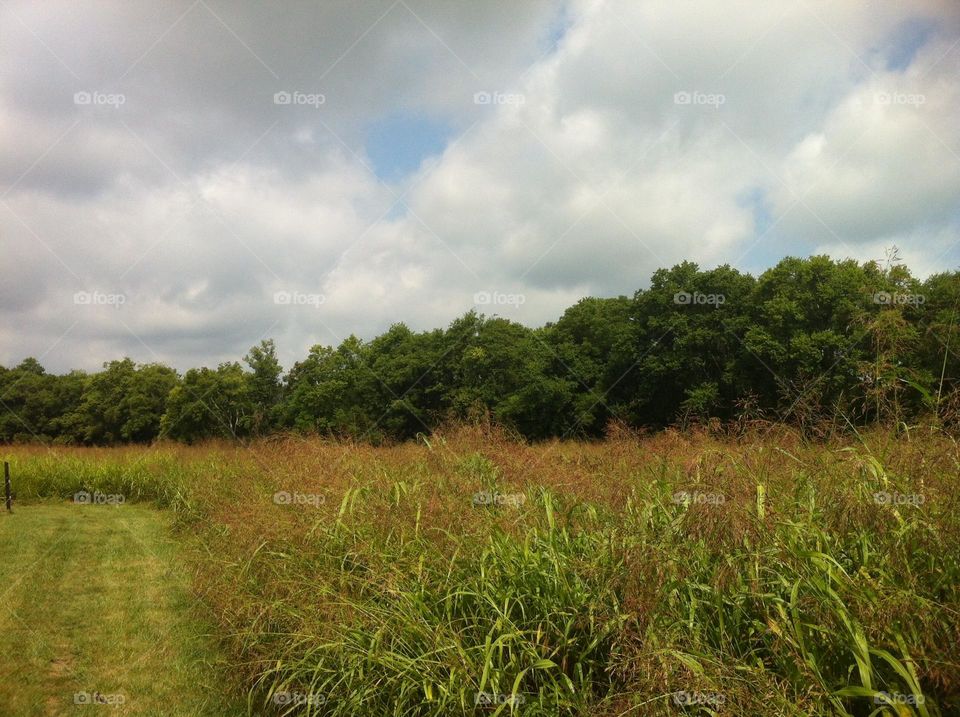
{"points": [[471, 573]]}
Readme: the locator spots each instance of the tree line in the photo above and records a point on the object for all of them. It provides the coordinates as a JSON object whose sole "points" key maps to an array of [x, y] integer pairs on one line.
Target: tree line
{"points": [[806, 341]]}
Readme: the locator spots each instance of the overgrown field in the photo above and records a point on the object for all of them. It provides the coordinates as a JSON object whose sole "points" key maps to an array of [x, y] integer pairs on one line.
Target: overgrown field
{"points": [[469, 573]]}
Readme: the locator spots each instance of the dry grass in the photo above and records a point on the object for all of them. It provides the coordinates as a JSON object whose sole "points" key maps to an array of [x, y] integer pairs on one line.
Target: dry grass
{"points": [[780, 585]]}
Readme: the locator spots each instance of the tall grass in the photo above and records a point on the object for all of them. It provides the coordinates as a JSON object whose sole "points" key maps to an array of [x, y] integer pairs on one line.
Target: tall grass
{"points": [[680, 573]]}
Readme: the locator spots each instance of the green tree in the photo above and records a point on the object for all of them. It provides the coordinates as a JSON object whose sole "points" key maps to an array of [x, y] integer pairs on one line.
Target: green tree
{"points": [[124, 402], [502, 367], [209, 403], [406, 367], [938, 349], [334, 391], [807, 342], [266, 387], [145, 401], [33, 402], [588, 340], [687, 337]]}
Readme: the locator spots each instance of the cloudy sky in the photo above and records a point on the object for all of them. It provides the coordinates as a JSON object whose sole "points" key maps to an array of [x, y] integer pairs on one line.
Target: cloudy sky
{"points": [[179, 180]]}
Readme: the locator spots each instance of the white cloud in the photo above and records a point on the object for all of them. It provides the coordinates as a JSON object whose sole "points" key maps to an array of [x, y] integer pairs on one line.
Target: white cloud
{"points": [[200, 198], [881, 165]]}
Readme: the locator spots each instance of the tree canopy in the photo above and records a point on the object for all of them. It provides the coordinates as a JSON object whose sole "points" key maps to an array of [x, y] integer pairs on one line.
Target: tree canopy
{"points": [[806, 340]]}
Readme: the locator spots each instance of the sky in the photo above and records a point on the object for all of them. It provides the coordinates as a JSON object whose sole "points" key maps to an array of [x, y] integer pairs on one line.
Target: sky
{"points": [[181, 180]]}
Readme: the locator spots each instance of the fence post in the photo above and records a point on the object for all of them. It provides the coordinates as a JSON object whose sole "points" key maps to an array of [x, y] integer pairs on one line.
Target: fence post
{"points": [[6, 485]]}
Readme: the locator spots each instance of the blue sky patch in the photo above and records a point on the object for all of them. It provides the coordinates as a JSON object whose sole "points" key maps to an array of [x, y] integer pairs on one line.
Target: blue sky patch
{"points": [[557, 29], [398, 143], [906, 40], [756, 200]]}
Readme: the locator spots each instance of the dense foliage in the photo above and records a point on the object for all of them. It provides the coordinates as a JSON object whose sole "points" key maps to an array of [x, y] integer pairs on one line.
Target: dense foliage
{"points": [[808, 339]]}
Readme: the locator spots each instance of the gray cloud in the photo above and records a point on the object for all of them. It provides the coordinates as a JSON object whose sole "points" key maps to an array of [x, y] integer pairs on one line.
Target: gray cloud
{"points": [[638, 135]]}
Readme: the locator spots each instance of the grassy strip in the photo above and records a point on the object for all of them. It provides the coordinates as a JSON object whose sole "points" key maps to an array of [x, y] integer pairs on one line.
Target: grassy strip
{"points": [[94, 602]]}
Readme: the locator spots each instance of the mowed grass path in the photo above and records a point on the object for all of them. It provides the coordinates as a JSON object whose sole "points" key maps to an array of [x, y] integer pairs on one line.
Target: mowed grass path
{"points": [[93, 599]]}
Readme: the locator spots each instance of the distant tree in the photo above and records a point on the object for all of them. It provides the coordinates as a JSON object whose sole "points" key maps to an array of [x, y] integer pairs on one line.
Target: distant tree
{"points": [[687, 338], [591, 338], [405, 365], [30, 365], [808, 338], [503, 368], [145, 401], [333, 391], [209, 403], [509, 373], [266, 387], [102, 404], [33, 402], [938, 350], [67, 425], [124, 402]]}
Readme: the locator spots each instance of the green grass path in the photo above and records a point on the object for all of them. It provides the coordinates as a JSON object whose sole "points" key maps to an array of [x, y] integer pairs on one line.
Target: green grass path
{"points": [[93, 599]]}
